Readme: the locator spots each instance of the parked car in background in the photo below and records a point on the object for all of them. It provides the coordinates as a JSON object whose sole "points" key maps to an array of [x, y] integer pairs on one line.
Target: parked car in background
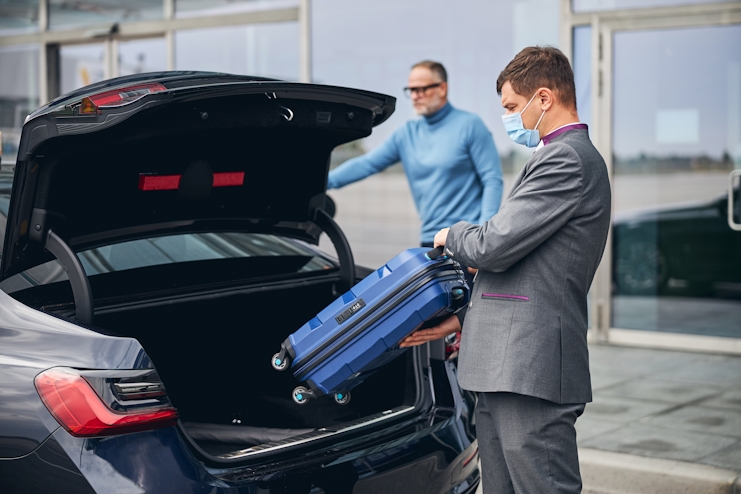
{"points": [[686, 249], [6, 182], [160, 244]]}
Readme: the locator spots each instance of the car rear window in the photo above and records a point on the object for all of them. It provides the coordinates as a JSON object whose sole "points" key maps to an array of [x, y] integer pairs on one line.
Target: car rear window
{"points": [[182, 248]]}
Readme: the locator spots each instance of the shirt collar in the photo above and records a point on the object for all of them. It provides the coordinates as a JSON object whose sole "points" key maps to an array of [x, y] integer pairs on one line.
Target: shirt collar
{"points": [[561, 130], [440, 114]]}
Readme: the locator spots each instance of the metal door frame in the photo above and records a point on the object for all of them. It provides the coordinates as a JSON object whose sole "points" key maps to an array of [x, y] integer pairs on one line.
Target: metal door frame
{"points": [[604, 24]]}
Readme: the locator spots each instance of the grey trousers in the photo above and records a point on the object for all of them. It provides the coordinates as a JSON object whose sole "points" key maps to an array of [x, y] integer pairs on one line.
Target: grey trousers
{"points": [[527, 445]]}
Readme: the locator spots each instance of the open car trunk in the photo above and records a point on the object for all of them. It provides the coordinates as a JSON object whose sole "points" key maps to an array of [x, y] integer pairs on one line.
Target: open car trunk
{"points": [[184, 153], [213, 356]]}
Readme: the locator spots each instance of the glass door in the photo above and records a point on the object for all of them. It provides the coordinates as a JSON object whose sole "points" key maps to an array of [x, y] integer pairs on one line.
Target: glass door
{"points": [[676, 141], [81, 65], [138, 56]]}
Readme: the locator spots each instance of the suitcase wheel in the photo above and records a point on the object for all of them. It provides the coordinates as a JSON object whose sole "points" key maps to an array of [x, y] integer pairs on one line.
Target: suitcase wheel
{"points": [[342, 397], [280, 363], [301, 395]]}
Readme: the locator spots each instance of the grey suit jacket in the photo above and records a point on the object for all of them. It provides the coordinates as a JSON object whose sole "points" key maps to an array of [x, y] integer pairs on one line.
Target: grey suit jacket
{"points": [[525, 330]]}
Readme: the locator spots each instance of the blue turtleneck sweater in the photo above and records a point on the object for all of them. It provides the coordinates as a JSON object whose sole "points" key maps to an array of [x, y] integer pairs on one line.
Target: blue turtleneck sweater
{"points": [[452, 165]]}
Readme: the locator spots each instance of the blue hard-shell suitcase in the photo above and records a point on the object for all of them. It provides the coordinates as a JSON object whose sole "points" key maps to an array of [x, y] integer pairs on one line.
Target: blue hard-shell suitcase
{"points": [[361, 330]]}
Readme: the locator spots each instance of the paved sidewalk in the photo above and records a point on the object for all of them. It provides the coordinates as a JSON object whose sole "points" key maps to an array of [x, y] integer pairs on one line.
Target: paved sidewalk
{"points": [[666, 405], [661, 421]]}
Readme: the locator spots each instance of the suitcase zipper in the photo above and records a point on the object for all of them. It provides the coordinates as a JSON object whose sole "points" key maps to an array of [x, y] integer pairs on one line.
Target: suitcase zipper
{"points": [[321, 353]]}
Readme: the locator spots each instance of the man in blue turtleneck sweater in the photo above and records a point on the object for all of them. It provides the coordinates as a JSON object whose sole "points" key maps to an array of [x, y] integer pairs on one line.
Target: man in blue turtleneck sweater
{"points": [[449, 158]]}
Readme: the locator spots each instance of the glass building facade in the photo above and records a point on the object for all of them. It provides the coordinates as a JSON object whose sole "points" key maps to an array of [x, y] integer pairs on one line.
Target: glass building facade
{"points": [[664, 113]]}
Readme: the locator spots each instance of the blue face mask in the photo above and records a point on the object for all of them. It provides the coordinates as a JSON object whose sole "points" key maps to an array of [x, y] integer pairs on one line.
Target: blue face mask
{"points": [[517, 131]]}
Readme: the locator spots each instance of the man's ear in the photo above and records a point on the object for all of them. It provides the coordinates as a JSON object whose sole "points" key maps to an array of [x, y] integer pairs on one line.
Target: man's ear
{"points": [[546, 98], [444, 88]]}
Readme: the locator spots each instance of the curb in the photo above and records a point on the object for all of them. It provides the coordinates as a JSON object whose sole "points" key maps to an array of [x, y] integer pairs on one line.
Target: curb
{"points": [[605, 472]]}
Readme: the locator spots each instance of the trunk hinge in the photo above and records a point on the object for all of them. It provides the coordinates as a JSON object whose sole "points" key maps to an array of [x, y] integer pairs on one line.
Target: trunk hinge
{"points": [[41, 232], [77, 277], [347, 264]]}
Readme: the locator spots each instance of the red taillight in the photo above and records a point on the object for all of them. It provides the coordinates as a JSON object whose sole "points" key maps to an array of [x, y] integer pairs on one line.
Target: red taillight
{"points": [[125, 95], [78, 408], [228, 179], [159, 182], [473, 455], [172, 182]]}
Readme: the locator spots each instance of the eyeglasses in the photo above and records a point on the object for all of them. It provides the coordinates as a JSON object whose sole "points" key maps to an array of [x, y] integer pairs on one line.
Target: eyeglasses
{"points": [[408, 91]]}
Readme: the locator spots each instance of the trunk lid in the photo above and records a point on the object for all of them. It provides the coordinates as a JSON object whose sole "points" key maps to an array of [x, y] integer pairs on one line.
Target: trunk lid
{"points": [[201, 152]]}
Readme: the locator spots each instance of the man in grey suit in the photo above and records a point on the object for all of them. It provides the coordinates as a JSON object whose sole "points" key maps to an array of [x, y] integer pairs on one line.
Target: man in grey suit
{"points": [[524, 340]]}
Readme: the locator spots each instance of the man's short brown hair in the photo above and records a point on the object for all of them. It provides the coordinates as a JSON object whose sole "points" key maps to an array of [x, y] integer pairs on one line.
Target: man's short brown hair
{"points": [[540, 66], [434, 67]]}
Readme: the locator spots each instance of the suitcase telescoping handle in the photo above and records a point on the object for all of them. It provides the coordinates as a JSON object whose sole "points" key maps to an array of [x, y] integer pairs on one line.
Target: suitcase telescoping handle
{"points": [[435, 253]]}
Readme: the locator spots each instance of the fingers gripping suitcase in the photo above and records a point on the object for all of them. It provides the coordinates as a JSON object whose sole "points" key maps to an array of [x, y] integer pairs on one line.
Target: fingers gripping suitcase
{"points": [[361, 330]]}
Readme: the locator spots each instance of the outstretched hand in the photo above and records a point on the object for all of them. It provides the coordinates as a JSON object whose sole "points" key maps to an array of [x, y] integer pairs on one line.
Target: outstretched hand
{"points": [[448, 326]]}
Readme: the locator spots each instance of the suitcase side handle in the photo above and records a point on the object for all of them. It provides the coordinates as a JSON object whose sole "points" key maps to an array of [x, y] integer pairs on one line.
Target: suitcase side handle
{"points": [[435, 253]]}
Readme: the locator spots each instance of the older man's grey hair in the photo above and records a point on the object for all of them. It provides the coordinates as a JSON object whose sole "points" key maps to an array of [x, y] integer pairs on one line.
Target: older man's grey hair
{"points": [[434, 67]]}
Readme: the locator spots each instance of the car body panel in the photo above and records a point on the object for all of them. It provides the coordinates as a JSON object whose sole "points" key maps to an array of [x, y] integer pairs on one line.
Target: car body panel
{"points": [[31, 342]]}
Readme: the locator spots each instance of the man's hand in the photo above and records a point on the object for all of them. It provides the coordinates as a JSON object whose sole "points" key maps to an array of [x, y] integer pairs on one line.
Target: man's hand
{"points": [[441, 237], [448, 326]]}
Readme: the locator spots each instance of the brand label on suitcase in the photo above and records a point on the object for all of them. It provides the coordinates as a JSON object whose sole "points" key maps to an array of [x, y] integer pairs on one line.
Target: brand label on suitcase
{"points": [[349, 312]]}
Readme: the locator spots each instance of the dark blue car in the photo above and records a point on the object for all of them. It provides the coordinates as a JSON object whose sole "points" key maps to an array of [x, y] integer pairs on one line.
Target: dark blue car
{"points": [[160, 237]]}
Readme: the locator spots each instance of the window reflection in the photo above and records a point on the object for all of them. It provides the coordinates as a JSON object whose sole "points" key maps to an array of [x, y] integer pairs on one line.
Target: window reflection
{"points": [[266, 50], [81, 65], [192, 8], [677, 137], [173, 249], [19, 16], [64, 14], [140, 56], [19, 95], [602, 5]]}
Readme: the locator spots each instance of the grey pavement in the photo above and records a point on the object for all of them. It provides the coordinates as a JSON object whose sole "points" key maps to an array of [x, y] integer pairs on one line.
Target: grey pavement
{"points": [[665, 404], [661, 422]]}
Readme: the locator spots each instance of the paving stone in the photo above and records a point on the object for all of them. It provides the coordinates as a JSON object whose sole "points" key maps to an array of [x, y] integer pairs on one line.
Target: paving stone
{"points": [[602, 379], [635, 361], [662, 390], [730, 400], [659, 442], [729, 457], [700, 419], [588, 427], [716, 370], [622, 410]]}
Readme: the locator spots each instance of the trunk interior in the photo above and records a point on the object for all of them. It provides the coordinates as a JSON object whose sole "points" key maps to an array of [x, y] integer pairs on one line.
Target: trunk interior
{"points": [[213, 355]]}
